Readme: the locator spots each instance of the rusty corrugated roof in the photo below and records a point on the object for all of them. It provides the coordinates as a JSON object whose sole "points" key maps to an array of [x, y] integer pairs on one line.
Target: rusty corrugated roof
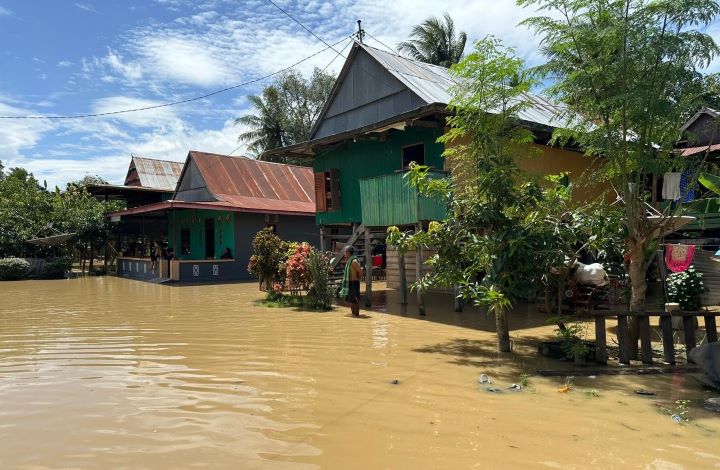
{"points": [[249, 184], [152, 173], [687, 152]]}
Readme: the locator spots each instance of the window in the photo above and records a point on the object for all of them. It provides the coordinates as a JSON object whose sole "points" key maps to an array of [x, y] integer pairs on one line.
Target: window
{"points": [[413, 153], [327, 190]]}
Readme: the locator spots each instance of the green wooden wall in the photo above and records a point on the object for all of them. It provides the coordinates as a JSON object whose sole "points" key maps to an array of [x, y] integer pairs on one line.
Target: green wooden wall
{"points": [[194, 219], [368, 158], [391, 200]]}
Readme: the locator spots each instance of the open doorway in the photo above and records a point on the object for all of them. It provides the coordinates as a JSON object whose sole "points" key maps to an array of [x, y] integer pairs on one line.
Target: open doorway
{"points": [[209, 238]]}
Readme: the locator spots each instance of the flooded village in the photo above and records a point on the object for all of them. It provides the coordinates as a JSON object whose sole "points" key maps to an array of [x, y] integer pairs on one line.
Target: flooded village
{"points": [[442, 253]]}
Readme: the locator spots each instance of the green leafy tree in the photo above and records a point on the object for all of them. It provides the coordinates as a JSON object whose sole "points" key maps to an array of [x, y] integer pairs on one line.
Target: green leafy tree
{"points": [[434, 41], [267, 262], [628, 73], [25, 209], [286, 111]]}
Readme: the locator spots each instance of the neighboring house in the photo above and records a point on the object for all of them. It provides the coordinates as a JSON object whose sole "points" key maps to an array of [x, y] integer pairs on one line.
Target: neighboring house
{"points": [[384, 112], [222, 202]]}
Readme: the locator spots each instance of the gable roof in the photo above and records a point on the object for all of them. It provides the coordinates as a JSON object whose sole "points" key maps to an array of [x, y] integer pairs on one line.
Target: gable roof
{"points": [[428, 84], [704, 110], [153, 173], [252, 185]]}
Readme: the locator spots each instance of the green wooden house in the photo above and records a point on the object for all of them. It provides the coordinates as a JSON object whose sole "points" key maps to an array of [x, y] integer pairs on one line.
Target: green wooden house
{"points": [[384, 112]]}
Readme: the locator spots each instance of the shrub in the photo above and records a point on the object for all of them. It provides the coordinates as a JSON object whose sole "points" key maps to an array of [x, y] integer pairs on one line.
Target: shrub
{"points": [[319, 295], [685, 288], [12, 269], [297, 276], [269, 255], [56, 269]]}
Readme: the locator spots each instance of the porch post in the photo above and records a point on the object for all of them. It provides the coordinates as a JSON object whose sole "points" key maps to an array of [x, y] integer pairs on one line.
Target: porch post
{"points": [[368, 269], [322, 238], [418, 271]]}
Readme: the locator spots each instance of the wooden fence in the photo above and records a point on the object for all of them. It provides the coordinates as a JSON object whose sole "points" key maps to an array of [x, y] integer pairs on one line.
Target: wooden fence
{"points": [[666, 328]]}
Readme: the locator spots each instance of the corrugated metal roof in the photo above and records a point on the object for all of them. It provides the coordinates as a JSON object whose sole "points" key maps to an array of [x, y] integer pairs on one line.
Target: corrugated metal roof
{"points": [[254, 185], [152, 173], [687, 152], [432, 83]]}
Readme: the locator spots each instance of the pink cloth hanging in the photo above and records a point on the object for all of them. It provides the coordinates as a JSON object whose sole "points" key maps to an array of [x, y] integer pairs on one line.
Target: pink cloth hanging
{"points": [[679, 257]]}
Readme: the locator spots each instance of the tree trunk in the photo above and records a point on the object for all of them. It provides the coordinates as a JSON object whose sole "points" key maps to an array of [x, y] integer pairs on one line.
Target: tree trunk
{"points": [[638, 288], [92, 258], [403, 278], [503, 331]]}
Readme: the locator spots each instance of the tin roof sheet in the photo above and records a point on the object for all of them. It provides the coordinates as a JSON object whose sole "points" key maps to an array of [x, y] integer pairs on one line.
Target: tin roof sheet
{"points": [[255, 185], [433, 83], [153, 173]]}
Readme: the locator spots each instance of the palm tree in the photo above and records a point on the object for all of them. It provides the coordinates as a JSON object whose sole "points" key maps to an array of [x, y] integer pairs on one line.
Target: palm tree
{"points": [[266, 129], [434, 41]]}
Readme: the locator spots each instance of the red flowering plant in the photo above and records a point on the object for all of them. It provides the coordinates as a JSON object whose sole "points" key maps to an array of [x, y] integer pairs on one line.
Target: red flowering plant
{"points": [[297, 276]]}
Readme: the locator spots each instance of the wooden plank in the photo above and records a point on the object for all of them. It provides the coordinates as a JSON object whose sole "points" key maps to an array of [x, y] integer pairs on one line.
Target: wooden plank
{"points": [[689, 330], [711, 329], [645, 342], [368, 270], [623, 342], [668, 340], [600, 341], [418, 272]]}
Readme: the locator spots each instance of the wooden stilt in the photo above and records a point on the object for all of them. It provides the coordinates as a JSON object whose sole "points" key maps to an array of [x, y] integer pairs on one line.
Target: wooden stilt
{"points": [[645, 342], [368, 269], [418, 273], [323, 248], [458, 299], [622, 333], [600, 341], [668, 340], [689, 330], [711, 329]]}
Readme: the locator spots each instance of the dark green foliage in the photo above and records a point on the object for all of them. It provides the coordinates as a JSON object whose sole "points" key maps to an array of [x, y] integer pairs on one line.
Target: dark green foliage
{"points": [[285, 112], [268, 260], [434, 41], [13, 269], [319, 296], [685, 288], [56, 268]]}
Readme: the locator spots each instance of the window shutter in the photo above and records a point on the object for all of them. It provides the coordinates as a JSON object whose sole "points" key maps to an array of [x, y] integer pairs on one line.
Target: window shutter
{"points": [[320, 196], [335, 189]]}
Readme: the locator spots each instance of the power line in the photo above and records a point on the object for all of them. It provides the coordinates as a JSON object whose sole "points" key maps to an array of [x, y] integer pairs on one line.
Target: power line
{"points": [[337, 55], [303, 26], [175, 103], [381, 43]]}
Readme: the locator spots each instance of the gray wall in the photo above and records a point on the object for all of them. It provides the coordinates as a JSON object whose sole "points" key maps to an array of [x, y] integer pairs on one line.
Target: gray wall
{"points": [[702, 130], [367, 95], [192, 187], [290, 228]]}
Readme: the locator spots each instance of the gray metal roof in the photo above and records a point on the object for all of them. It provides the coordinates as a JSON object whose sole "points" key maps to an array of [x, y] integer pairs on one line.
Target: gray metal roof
{"points": [[152, 173], [433, 83]]}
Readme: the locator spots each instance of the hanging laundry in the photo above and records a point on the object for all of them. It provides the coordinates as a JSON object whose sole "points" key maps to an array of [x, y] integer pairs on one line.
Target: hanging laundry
{"points": [[687, 186], [671, 186], [679, 257]]}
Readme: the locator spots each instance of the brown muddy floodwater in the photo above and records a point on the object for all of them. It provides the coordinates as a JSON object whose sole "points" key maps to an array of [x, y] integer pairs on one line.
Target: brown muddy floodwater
{"points": [[109, 373]]}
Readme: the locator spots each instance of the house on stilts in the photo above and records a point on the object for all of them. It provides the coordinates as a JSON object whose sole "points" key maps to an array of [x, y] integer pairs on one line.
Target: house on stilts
{"points": [[384, 112]]}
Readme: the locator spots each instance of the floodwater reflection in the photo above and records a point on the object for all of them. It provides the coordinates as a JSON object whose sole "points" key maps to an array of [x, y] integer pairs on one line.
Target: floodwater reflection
{"points": [[109, 373]]}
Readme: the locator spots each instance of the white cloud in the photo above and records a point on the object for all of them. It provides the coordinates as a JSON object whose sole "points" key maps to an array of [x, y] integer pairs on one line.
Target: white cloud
{"points": [[86, 7], [156, 118], [5, 12], [64, 63]]}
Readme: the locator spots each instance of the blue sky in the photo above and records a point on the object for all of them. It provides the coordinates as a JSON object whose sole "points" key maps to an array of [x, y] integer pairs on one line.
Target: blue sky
{"points": [[64, 57]]}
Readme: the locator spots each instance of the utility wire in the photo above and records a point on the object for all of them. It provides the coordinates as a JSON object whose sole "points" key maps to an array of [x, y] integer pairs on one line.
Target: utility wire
{"points": [[303, 26], [175, 103], [381, 43], [337, 55]]}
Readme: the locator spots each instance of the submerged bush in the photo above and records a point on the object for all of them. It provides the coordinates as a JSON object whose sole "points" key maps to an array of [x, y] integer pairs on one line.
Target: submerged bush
{"points": [[12, 269], [685, 288], [56, 269], [319, 295]]}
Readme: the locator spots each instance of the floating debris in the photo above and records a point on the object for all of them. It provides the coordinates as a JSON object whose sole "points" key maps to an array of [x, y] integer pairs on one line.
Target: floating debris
{"points": [[484, 379], [642, 391], [394, 382], [564, 389], [493, 390], [515, 387], [677, 419]]}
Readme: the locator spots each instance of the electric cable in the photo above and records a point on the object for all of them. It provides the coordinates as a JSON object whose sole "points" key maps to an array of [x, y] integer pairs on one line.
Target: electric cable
{"points": [[303, 26], [175, 103]]}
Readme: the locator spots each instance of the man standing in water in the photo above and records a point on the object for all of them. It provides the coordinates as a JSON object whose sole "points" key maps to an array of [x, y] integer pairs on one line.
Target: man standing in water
{"points": [[351, 280]]}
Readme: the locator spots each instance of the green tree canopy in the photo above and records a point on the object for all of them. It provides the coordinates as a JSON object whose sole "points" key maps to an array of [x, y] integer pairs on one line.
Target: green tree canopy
{"points": [[286, 111], [629, 73], [434, 41]]}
